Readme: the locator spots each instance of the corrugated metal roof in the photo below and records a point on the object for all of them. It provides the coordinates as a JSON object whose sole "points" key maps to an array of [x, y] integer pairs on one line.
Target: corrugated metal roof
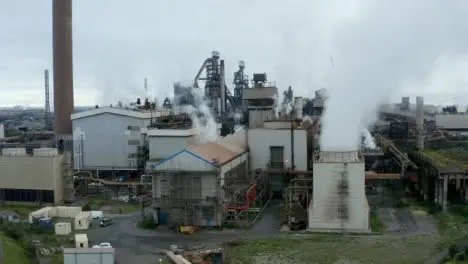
{"points": [[121, 111], [452, 121], [88, 250], [214, 152], [221, 151]]}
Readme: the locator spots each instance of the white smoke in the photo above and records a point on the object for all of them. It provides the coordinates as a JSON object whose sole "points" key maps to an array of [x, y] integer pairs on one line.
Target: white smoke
{"points": [[369, 141], [203, 122], [237, 121]]}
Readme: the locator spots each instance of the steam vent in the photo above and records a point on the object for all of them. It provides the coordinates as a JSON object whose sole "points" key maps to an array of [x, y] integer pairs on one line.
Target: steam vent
{"points": [[341, 204]]}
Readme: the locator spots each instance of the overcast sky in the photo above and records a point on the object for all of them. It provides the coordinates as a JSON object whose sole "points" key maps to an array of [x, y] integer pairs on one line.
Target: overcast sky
{"points": [[416, 47]]}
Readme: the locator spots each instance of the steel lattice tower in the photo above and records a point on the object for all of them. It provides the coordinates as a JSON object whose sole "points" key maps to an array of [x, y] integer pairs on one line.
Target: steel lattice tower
{"points": [[241, 82], [212, 84]]}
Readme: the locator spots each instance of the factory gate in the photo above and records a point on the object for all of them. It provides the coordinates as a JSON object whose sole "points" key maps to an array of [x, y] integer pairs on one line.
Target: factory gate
{"points": [[277, 163]]}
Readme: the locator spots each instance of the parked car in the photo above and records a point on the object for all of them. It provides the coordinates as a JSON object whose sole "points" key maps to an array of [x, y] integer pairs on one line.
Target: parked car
{"points": [[105, 245], [97, 214], [105, 222]]}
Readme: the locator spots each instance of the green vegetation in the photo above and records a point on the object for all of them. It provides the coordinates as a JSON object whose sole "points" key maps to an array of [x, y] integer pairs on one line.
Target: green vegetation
{"points": [[13, 252], [110, 206], [448, 157], [376, 225], [321, 249], [147, 223]]}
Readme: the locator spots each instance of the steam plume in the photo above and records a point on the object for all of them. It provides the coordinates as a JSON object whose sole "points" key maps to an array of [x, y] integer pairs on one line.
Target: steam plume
{"points": [[369, 141], [203, 122]]}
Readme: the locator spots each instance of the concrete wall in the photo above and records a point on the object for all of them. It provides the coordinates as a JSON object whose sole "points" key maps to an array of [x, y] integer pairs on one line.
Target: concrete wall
{"points": [[260, 140], [30, 172], [102, 141], [326, 201], [162, 147]]}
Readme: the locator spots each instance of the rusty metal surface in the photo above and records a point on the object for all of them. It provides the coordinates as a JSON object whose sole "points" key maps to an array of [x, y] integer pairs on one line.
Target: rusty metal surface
{"points": [[63, 65]]}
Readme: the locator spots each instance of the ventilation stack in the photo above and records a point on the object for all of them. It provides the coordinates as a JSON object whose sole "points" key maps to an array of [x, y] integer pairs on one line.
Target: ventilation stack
{"points": [[298, 108], [420, 122], [63, 72]]}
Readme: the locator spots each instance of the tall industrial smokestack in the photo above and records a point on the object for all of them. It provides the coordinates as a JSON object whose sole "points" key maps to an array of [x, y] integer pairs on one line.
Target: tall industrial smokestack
{"points": [[222, 87], [63, 66], [420, 122]]}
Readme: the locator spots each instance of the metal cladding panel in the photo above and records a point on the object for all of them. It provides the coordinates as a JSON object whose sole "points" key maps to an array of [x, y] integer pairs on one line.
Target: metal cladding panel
{"points": [[260, 141], [105, 142], [89, 258], [28, 172], [452, 121], [166, 146]]}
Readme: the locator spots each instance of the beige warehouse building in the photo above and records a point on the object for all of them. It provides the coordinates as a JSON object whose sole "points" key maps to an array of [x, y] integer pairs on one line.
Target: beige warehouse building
{"points": [[40, 176]]}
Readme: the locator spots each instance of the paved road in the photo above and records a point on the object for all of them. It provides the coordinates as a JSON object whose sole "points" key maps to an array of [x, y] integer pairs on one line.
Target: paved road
{"points": [[141, 246]]}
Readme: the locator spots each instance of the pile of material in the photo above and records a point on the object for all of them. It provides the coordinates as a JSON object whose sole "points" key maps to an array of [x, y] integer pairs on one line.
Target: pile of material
{"points": [[210, 256]]}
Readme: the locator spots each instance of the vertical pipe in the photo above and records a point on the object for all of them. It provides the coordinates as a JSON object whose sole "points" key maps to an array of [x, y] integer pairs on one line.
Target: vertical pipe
{"points": [[63, 65]]}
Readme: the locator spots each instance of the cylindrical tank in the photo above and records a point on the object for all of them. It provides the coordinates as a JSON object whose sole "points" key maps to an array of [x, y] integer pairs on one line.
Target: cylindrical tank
{"points": [[298, 107]]}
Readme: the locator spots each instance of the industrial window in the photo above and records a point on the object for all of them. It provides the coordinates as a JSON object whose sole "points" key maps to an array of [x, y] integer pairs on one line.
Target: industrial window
{"points": [[27, 195], [133, 128], [133, 142], [277, 157]]}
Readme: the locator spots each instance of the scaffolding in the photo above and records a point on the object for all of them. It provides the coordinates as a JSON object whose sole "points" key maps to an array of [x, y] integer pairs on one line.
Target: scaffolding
{"points": [[191, 198], [245, 200], [185, 198]]}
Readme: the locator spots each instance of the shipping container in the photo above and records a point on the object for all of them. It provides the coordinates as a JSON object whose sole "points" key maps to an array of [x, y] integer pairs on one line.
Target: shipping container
{"points": [[63, 228]]}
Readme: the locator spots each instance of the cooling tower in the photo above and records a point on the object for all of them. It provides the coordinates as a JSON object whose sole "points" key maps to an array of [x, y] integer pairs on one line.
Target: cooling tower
{"points": [[339, 201], [63, 66]]}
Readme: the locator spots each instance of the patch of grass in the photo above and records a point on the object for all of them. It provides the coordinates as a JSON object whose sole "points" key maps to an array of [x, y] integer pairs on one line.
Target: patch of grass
{"points": [[96, 203], [376, 224], [452, 229], [57, 259], [322, 249], [13, 252], [447, 157]]}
